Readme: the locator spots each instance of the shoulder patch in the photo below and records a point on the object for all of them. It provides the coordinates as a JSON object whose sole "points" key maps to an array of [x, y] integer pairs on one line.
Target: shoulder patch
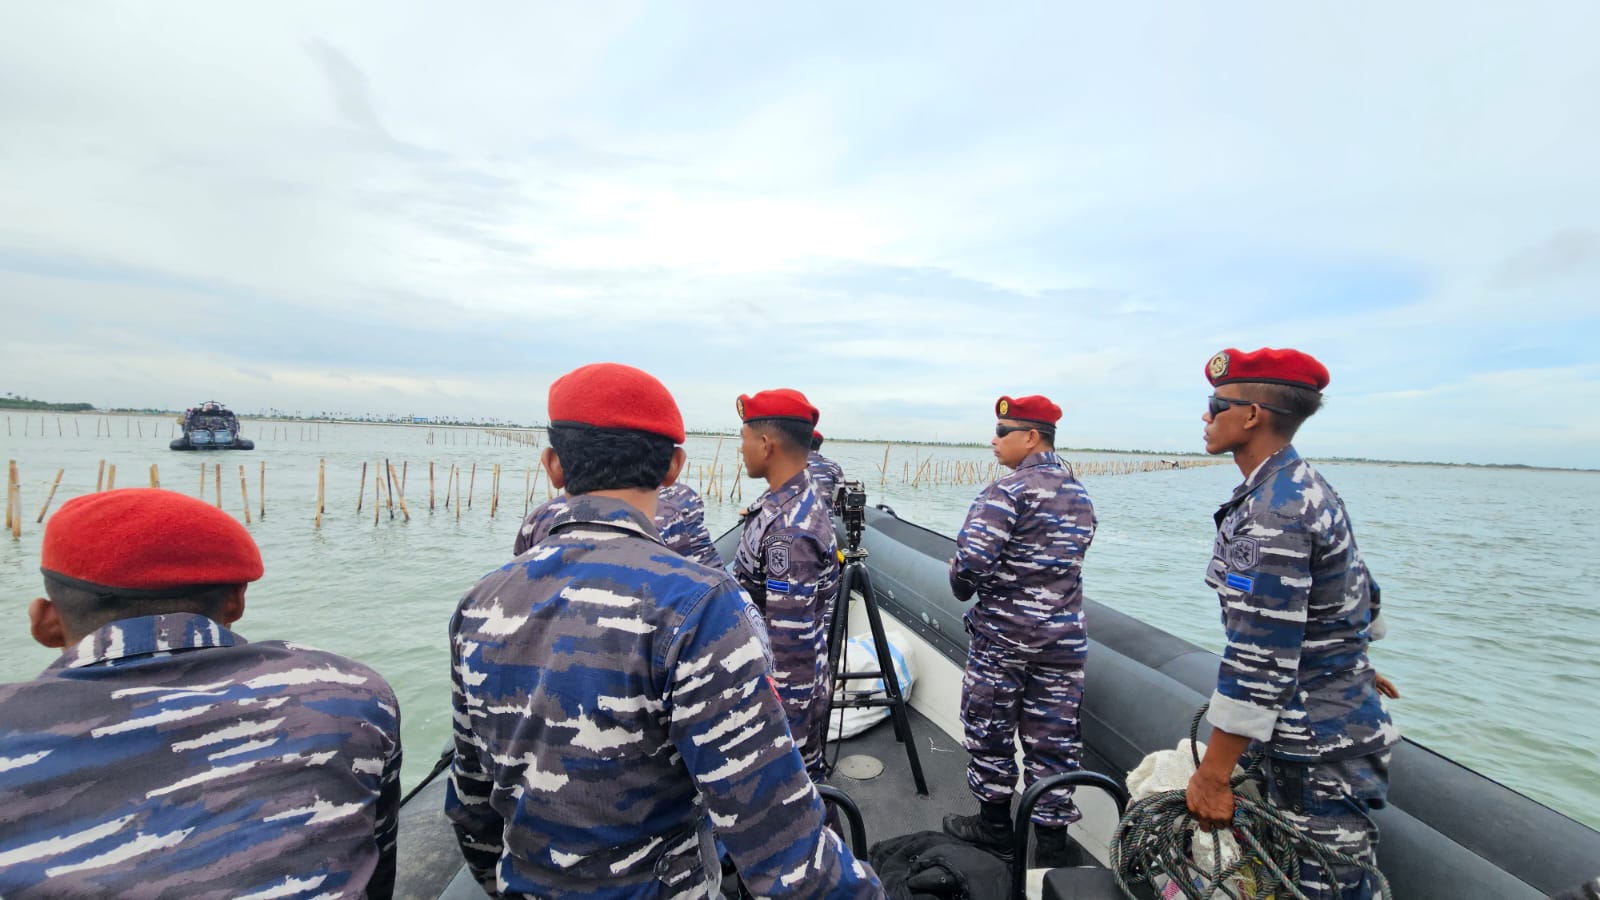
{"points": [[1243, 553], [777, 558], [1241, 582]]}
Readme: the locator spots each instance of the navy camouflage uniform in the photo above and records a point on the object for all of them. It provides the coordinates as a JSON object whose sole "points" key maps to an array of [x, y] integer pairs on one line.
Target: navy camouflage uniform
{"points": [[825, 475], [788, 562], [613, 703], [680, 520], [165, 756], [1299, 608], [1021, 551]]}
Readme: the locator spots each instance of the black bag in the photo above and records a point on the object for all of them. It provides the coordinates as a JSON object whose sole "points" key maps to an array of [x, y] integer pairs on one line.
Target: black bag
{"points": [[932, 865]]}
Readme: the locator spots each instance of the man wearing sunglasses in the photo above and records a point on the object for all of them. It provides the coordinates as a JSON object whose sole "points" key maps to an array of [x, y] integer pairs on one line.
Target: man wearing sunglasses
{"points": [[1298, 607], [1021, 553]]}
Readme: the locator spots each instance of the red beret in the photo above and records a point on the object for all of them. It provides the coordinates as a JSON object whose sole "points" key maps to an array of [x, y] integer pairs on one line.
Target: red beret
{"points": [[816, 435], [1267, 365], [783, 403], [1028, 409], [609, 395], [148, 541]]}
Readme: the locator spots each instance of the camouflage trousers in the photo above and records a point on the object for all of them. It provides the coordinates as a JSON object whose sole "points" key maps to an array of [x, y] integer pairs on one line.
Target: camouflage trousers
{"points": [[1004, 697], [1332, 802]]}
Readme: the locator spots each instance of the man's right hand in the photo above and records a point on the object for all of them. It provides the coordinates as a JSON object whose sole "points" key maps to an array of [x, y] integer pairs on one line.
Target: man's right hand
{"points": [[1210, 801]]}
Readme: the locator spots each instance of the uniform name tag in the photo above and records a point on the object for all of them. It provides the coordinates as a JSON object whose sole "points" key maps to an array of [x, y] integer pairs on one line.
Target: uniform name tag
{"points": [[1241, 582], [776, 586]]}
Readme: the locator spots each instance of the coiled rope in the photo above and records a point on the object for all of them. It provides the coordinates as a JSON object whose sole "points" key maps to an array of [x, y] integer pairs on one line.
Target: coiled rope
{"points": [[1152, 839]]}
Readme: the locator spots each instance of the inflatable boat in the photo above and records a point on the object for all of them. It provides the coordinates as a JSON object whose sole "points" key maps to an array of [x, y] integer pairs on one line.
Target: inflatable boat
{"points": [[1447, 831], [210, 426]]}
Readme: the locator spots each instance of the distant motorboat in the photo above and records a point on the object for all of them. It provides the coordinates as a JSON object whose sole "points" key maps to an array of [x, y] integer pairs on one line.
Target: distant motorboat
{"points": [[210, 426]]}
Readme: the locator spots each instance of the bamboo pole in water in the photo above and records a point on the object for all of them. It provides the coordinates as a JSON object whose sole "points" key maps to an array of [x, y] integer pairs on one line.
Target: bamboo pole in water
{"points": [[14, 508], [458, 498], [403, 510], [527, 489], [472, 482], [218, 468], [404, 465], [377, 496], [11, 491], [244, 494], [494, 491], [155, 475], [883, 470], [52, 495], [100, 477], [111, 477], [388, 475], [262, 493], [361, 495], [322, 490], [430, 478], [448, 480]]}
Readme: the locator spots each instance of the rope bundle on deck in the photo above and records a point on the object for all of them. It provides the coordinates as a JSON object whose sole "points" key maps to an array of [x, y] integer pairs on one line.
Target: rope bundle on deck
{"points": [[1154, 837]]}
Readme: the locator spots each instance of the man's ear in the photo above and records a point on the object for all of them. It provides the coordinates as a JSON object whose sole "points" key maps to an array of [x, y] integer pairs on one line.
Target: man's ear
{"points": [[552, 468], [679, 457], [233, 607], [45, 623]]}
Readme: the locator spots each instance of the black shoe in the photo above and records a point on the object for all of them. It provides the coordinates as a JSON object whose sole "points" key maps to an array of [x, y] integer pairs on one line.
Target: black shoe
{"points": [[980, 832], [1053, 849]]}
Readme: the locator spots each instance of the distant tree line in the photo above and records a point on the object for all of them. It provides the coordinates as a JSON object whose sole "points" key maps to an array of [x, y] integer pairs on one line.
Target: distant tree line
{"points": [[17, 401]]}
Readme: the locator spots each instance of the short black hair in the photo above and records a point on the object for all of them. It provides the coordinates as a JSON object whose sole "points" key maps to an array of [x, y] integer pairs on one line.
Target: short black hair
{"points": [[792, 435], [85, 610], [609, 459], [1301, 404], [816, 442]]}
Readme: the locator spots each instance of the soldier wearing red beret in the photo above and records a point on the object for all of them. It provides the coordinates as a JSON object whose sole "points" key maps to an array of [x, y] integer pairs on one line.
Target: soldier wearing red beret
{"points": [[613, 700], [1299, 608], [164, 755], [1021, 554], [788, 560]]}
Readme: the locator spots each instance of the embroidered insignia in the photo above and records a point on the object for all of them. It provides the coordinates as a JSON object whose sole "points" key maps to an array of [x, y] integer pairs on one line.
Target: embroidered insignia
{"points": [[739, 405], [1241, 582], [778, 560], [1004, 407], [1218, 366], [776, 586], [1243, 554]]}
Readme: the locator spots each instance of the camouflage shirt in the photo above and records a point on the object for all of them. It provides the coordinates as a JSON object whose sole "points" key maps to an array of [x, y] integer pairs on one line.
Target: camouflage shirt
{"points": [[612, 702], [788, 561], [680, 520], [165, 756], [1021, 551], [825, 475], [1297, 602]]}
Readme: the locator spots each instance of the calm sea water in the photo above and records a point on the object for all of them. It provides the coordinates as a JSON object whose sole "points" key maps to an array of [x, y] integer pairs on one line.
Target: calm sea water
{"points": [[1489, 575]]}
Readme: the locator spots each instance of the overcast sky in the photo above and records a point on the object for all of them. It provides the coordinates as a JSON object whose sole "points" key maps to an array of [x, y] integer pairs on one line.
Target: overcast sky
{"points": [[903, 209]]}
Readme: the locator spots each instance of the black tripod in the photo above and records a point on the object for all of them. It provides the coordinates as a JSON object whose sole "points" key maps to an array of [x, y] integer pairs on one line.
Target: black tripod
{"points": [[854, 578]]}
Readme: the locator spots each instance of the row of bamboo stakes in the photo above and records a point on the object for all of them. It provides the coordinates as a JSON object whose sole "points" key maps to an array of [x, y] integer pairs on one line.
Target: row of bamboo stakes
{"points": [[133, 426], [494, 437], [106, 480], [933, 472], [389, 483]]}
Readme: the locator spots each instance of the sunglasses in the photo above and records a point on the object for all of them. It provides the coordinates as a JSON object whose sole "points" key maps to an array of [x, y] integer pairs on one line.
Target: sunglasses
{"points": [[1001, 429], [1219, 405]]}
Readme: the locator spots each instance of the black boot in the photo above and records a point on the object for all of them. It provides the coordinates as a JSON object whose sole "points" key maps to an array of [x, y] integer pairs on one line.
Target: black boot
{"points": [[1054, 850], [990, 829]]}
